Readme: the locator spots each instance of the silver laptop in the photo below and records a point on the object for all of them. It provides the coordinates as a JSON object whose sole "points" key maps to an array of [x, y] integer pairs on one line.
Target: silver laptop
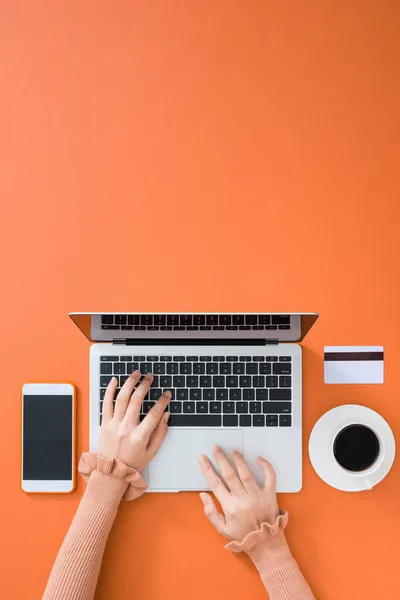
{"points": [[235, 381]]}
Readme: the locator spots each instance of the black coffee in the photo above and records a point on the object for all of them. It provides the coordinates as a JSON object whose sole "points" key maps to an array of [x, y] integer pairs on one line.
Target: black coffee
{"points": [[356, 447]]}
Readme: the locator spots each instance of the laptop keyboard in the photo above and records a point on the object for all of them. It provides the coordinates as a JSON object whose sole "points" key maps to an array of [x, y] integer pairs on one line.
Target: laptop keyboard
{"points": [[211, 391], [195, 322]]}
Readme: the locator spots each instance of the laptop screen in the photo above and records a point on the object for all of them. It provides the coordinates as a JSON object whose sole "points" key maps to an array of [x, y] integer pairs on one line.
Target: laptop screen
{"points": [[109, 327]]}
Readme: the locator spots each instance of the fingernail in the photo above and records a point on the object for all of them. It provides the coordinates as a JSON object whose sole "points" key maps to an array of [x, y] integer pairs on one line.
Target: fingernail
{"points": [[135, 373], [203, 459], [113, 380], [218, 450], [168, 394], [204, 498], [166, 417]]}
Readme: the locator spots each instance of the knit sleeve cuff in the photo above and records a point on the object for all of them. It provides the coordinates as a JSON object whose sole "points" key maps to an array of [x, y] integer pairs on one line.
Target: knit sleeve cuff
{"points": [[261, 536], [116, 473]]}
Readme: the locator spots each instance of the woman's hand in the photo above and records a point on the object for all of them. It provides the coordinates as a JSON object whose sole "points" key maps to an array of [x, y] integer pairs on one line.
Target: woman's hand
{"points": [[245, 505], [122, 434]]}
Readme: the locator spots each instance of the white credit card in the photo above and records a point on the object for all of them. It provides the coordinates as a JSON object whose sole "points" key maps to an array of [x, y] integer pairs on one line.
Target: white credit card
{"points": [[353, 364]]}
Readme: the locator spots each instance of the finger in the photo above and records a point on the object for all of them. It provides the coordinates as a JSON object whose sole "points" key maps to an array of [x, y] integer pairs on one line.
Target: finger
{"points": [[108, 402], [158, 436], [214, 481], [154, 415], [246, 476], [124, 395], [270, 476], [212, 513], [227, 471], [133, 410]]}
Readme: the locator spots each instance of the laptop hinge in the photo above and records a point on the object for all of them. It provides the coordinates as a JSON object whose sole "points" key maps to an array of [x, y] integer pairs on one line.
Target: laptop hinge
{"points": [[272, 342], [191, 342]]}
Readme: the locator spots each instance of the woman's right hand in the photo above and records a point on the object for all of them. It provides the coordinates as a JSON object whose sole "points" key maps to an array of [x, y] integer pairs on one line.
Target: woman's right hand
{"points": [[245, 504]]}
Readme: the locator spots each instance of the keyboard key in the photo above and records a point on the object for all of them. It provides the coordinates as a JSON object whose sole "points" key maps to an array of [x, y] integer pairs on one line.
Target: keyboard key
{"points": [[170, 389], [179, 381], [225, 319], [152, 358], [147, 406], [199, 320], [146, 367], [172, 319], [271, 358], [139, 358], [252, 369], [122, 379], [208, 394], [133, 319], [258, 381], [139, 328], [146, 320], [232, 327], [198, 368], [166, 381], [192, 381], [111, 327], [271, 327], [225, 368], [120, 319], [105, 380], [166, 327], [228, 407], [219, 358], [235, 394], [126, 327], [101, 417], [232, 381], [120, 368], [156, 381], [219, 381], [195, 394], [107, 319], [194, 420], [245, 420], [261, 394], [155, 393], [159, 368], [238, 368], [264, 319], [251, 319], [285, 420], [132, 366], [126, 358], [271, 423], [280, 327], [205, 358], [212, 369], [179, 358], [205, 327], [285, 381], [282, 368], [258, 358], [255, 407], [271, 418], [245, 358], [215, 327], [248, 394], [160, 319], [205, 381], [245, 381], [244, 327], [258, 421], [192, 359], [212, 319], [257, 327], [175, 407], [230, 420], [185, 368], [265, 368], [172, 368], [277, 407], [201, 407], [285, 359], [178, 328], [271, 381], [189, 407], [166, 358], [215, 407], [102, 393], [182, 394], [106, 368], [275, 394], [238, 319], [242, 407], [109, 358], [186, 320], [280, 319], [222, 394]]}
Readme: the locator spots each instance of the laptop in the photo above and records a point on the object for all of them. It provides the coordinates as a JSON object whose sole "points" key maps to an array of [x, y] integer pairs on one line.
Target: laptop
{"points": [[235, 381]]}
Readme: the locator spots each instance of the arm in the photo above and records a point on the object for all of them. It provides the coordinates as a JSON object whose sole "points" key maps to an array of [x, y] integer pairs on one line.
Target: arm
{"points": [[126, 447], [253, 523]]}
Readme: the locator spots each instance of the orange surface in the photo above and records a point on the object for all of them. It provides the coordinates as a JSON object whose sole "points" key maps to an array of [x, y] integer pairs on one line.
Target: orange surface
{"points": [[171, 155]]}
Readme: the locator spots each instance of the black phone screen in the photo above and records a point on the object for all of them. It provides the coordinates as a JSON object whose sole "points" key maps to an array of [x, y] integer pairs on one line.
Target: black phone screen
{"points": [[47, 437]]}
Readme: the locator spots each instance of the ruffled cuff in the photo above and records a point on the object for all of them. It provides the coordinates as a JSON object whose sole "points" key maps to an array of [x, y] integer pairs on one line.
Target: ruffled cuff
{"points": [[116, 473], [260, 536], [267, 547]]}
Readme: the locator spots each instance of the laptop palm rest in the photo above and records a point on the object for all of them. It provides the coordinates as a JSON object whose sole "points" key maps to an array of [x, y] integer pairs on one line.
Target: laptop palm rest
{"points": [[176, 466]]}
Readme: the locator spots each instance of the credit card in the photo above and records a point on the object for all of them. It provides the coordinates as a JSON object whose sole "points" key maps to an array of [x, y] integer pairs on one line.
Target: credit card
{"points": [[353, 364]]}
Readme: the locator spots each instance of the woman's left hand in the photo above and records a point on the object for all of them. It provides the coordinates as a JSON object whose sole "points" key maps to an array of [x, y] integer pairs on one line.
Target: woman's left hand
{"points": [[122, 434]]}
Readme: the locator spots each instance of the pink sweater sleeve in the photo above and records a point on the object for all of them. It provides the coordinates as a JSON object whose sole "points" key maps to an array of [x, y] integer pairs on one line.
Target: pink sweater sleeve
{"points": [[76, 570], [270, 553]]}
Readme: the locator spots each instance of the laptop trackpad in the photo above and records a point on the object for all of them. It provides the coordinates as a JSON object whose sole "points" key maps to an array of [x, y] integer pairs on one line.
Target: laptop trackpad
{"points": [[176, 466]]}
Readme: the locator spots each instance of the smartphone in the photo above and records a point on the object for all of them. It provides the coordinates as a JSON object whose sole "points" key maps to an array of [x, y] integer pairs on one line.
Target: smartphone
{"points": [[48, 438]]}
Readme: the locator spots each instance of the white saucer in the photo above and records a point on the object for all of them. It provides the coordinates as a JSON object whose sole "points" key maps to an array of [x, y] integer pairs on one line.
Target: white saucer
{"points": [[320, 447]]}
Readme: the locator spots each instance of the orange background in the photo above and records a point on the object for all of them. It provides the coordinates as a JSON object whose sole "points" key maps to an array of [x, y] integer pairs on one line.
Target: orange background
{"points": [[199, 156]]}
